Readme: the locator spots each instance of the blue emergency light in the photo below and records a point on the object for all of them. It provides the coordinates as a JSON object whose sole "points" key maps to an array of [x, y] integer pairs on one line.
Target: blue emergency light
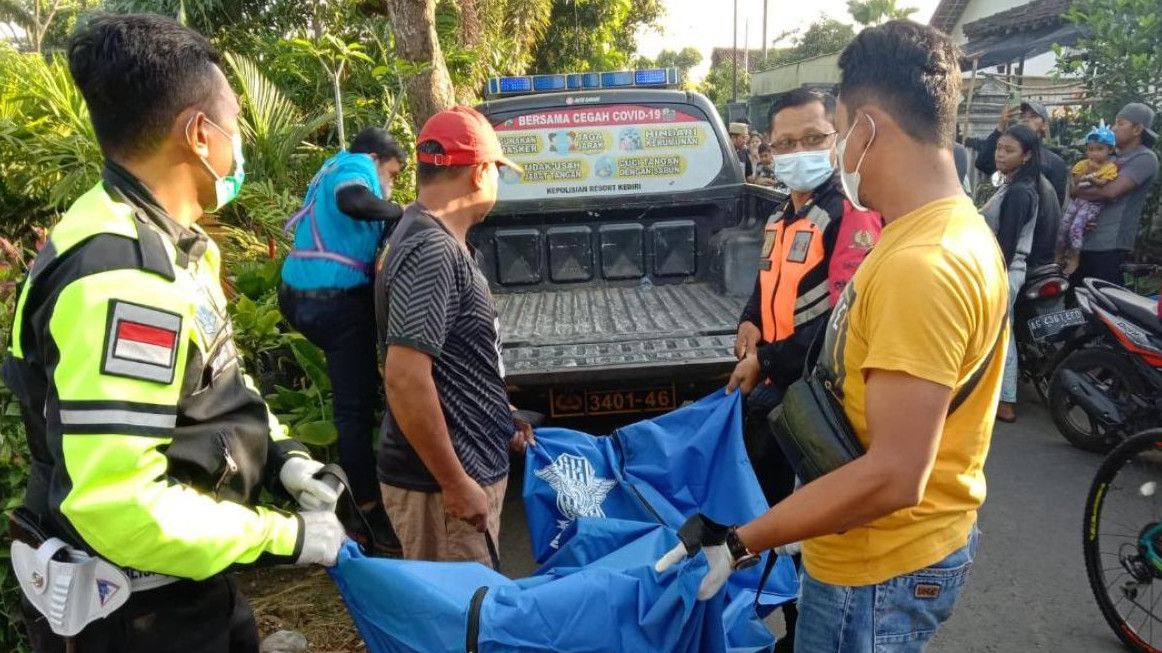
{"points": [[527, 84]]}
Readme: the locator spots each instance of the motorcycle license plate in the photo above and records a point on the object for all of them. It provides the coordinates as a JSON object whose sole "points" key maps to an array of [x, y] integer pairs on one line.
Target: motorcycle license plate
{"points": [[1043, 326]]}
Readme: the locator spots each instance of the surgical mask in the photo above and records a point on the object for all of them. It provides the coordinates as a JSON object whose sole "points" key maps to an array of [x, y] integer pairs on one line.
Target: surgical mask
{"points": [[850, 180], [804, 171], [226, 188]]}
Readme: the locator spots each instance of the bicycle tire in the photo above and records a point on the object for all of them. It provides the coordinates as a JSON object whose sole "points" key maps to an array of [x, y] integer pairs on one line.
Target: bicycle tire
{"points": [[1111, 465]]}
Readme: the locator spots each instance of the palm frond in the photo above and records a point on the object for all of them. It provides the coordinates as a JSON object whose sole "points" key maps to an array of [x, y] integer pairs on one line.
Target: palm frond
{"points": [[276, 129]]}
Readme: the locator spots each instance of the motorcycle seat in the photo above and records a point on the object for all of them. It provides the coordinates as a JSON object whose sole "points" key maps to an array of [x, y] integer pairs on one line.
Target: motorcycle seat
{"points": [[1140, 310], [1043, 271]]}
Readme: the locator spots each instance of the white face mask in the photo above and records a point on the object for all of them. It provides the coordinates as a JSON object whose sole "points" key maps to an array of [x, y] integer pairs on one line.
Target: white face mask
{"points": [[850, 180], [804, 171]]}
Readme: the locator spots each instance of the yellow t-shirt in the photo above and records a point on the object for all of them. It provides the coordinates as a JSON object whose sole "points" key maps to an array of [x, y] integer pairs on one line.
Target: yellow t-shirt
{"points": [[1107, 172], [928, 301]]}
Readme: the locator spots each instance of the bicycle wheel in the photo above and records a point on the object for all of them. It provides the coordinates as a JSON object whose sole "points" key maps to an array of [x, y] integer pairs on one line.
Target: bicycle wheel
{"points": [[1123, 537]]}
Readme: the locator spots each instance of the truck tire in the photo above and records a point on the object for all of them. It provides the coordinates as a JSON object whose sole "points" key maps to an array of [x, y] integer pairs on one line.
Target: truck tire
{"points": [[1118, 379]]}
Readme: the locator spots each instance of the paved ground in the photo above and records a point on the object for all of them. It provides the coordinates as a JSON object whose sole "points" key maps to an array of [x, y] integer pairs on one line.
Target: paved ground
{"points": [[1028, 591]]}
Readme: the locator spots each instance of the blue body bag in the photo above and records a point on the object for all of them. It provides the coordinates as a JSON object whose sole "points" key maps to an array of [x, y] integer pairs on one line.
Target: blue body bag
{"points": [[601, 511]]}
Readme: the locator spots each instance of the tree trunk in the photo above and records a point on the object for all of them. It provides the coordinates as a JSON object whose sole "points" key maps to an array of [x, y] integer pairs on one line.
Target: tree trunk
{"points": [[414, 23]]}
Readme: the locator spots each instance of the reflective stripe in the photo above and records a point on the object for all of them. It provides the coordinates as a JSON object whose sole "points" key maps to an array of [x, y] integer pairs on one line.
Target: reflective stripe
{"points": [[811, 296], [819, 217], [114, 416], [810, 313]]}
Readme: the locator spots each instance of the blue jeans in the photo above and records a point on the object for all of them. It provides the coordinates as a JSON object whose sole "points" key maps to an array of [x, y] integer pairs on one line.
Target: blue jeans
{"points": [[899, 615]]}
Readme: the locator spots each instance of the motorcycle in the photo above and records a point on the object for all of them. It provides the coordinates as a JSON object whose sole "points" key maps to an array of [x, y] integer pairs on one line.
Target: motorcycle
{"points": [[1112, 388], [1042, 326]]}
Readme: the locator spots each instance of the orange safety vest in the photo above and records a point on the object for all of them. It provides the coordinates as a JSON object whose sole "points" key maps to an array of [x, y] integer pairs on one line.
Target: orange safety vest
{"points": [[798, 280], [791, 252]]}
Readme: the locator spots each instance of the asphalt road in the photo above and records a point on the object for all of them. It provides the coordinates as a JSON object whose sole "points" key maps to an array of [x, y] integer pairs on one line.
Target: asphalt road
{"points": [[1028, 590]]}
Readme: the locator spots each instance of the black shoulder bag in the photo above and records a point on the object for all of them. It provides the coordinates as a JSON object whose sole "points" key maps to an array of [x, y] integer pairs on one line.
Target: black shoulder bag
{"points": [[811, 427]]}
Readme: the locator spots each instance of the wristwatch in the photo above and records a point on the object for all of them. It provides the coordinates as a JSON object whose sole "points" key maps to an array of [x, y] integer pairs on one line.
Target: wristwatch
{"points": [[740, 556]]}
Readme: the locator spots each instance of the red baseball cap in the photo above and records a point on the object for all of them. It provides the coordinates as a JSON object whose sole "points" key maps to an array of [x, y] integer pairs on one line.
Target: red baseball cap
{"points": [[467, 138]]}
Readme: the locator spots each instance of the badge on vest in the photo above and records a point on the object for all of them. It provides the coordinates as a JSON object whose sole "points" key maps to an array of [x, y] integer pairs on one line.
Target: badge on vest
{"points": [[799, 247], [141, 342]]}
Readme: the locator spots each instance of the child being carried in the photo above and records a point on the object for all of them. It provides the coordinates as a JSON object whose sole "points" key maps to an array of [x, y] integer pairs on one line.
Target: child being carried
{"points": [[1096, 169]]}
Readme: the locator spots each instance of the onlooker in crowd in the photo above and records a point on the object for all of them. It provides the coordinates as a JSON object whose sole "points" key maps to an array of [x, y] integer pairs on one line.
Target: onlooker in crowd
{"points": [[1106, 246], [811, 250], [765, 170], [443, 460], [1096, 169], [1012, 214], [1034, 116], [738, 139], [326, 294], [888, 538]]}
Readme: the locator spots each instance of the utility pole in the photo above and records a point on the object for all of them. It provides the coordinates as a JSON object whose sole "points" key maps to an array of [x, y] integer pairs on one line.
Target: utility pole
{"points": [[765, 3], [734, 58]]}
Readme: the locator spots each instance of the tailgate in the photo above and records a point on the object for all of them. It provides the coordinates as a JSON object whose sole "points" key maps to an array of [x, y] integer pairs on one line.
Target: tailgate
{"points": [[607, 333]]}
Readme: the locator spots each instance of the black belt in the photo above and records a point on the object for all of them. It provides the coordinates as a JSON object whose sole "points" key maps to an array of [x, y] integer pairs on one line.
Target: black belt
{"points": [[325, 293]]}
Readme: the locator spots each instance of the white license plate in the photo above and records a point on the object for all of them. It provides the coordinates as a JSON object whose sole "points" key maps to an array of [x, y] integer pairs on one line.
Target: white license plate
{"points": [[1043, 326]]}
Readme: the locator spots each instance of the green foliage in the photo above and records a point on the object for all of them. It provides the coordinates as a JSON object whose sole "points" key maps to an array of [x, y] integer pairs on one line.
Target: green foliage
{"points": [[876, 12], [14, 457], [48, 151], [824, 36], [593, 34], [718, 85], [1122, 62], [683, 60], [306, 409]]}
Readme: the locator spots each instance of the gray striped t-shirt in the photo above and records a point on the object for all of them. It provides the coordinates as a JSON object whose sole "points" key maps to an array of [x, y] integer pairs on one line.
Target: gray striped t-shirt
{"points": [[432, 297]]}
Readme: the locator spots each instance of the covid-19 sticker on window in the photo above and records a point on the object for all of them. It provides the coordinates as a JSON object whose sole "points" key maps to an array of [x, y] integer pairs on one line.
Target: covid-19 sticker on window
{"points": [[607, 150]]}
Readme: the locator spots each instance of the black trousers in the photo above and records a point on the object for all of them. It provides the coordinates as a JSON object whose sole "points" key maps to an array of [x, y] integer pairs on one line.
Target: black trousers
{"points": [[343, 326], [775, 475], [1106, 266], [188, 616]]}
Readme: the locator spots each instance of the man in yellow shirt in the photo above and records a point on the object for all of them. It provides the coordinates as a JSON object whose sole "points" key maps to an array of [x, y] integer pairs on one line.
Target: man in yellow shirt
{"points": [[888, 538]]}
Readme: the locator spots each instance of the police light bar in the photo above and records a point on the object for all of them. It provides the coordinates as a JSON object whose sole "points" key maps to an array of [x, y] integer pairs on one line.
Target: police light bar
{"points": [[529, 84]]}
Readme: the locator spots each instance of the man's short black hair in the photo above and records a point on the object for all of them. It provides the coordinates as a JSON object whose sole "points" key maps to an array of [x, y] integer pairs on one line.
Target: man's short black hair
{"points": [[912, 71], [427, 173], [137, 72], [798, 97], [378, 141], [764, 148]]}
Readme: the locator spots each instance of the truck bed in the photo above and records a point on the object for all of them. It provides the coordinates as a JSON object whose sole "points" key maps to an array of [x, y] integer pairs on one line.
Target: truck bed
{"points": [[592, 333]]}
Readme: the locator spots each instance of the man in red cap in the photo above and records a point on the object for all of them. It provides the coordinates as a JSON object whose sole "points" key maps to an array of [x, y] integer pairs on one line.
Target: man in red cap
{"points": [[443, 458]]}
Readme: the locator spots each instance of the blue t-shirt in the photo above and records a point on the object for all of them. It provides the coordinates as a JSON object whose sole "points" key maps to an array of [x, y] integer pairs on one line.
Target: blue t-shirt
{"points": [[336, 232]]}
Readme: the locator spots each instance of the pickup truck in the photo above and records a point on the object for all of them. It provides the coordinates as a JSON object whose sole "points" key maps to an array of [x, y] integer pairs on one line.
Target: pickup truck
{"points": [[622, 257]]}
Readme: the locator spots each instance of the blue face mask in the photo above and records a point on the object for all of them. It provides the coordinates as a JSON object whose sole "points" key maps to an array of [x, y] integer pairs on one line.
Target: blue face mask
{"points": [[804, 171]]}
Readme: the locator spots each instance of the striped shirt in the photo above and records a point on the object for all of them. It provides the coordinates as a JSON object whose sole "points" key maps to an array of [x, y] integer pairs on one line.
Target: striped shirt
{"points": [[433, 298]]}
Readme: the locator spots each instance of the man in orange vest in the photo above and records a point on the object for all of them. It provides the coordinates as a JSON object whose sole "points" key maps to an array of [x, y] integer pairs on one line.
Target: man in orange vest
{"points": [[810, 251]]}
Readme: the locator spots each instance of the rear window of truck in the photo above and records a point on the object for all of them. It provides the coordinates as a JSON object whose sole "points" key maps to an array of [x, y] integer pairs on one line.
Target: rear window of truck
{"points": [[603, 150]]}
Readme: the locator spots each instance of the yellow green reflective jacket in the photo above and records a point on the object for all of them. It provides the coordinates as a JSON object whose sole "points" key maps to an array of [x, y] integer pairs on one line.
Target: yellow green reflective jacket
{"points": [[150, 445]]}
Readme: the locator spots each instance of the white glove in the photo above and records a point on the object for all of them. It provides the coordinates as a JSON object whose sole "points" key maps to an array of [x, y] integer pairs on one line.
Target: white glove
{"points": [[298, 477], [700, 533], [323, 535]]}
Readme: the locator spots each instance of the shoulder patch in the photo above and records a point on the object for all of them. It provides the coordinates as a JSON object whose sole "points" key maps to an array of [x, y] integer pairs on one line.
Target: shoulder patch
{"points": [[141, 342]]}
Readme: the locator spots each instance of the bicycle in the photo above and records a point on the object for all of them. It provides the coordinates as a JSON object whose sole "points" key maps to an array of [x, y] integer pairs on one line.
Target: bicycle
{"points": [[1122, 540]]}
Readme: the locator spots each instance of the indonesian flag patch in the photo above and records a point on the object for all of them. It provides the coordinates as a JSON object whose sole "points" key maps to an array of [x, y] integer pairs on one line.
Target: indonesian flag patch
{"points": [[141, 342]]}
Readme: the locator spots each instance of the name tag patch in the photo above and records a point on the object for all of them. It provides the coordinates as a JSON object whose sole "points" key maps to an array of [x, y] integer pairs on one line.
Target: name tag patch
{"points": [[799, 247], [141, 342], [927, 591]]}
